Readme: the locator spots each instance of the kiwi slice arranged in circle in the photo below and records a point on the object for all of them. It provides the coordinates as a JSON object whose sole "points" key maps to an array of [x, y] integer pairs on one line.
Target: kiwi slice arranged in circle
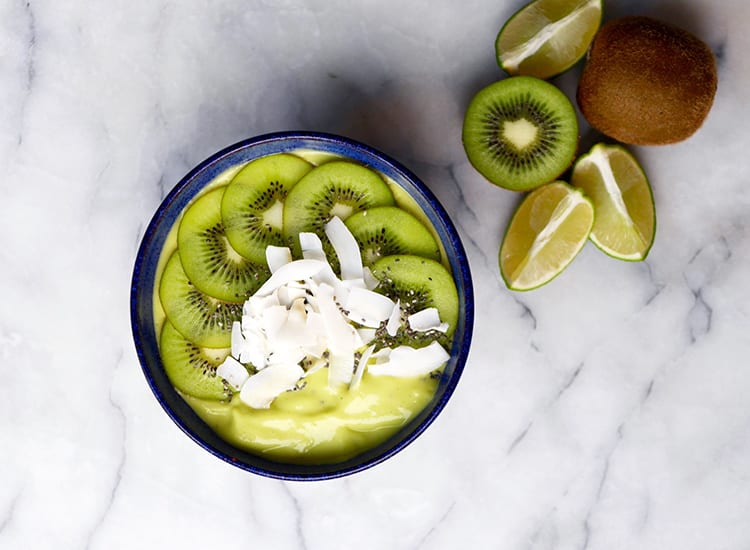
{"points": [[418, 283], [252, 207], [337, 188], [192, 369], [387, 231], [201, 319], [520, 132], [210, 262]]}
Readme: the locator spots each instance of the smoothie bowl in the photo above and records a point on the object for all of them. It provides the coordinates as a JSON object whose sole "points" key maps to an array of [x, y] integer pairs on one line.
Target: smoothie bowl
{"points": [[301, 306]]}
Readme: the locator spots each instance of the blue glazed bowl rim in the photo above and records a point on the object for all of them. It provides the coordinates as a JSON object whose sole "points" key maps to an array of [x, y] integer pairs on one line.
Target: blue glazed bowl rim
{"points": [[142, 292]]}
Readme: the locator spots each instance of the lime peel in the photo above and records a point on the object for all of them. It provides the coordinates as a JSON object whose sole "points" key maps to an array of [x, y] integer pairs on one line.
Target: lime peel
{"points": [[559, 215]]}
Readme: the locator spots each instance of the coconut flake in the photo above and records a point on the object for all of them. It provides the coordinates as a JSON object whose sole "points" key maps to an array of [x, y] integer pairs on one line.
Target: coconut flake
{"points": [[382, 355], [406, 361], [263, 387], [340, 368], [366, 335], [427, 319], [237, 340], [233, 372], [286, 345], [297, 270], [360, 369], [312, 247], [341, 338], [368, 307], [394, 321], [276, 256], [346, 247], [272, 319], [288, 294], [339, 332], [255, 305], [254, 349], [371, 282]]}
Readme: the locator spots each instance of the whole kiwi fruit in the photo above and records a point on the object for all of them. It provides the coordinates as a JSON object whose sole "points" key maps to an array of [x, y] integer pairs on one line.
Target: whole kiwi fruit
{"points": [[646, 82]]}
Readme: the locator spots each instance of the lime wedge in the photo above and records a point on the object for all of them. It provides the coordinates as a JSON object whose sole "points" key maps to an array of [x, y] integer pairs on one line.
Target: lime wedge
{"points": [[625, 218], [546, 232], [546, 37]]}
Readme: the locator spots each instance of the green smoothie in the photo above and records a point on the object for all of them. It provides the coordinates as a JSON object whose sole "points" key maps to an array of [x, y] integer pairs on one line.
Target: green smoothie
{"points": [[318, 424]]}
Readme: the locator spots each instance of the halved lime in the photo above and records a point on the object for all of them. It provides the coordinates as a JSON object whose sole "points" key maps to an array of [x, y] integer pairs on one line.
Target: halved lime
{"points": [[547, 231], [625, 217], [546, 37]]}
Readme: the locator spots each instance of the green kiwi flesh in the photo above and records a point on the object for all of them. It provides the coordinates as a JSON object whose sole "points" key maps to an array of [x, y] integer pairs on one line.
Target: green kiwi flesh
{"points": [[337, 188], [210, 262], [418, 283], [192, 369], [201, 319], [252, 206], [520, 132], [389, 230]]}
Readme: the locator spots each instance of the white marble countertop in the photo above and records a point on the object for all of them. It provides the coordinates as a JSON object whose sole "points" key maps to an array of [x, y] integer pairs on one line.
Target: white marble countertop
{"points": [[607, 410]]}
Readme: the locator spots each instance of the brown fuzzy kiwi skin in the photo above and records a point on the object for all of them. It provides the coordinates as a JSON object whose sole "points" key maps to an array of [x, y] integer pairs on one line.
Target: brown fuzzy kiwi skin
{"points": [[646, 82]]}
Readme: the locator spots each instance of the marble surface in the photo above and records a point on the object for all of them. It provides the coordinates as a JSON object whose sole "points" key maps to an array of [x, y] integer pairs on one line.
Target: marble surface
{"points": [[608, 410]]}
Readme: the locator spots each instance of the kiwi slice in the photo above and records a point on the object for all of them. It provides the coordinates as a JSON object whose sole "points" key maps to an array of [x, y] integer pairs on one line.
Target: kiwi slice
{"points": [[520, 132], [192, 369], [418, 283], [337, 188], [387, 231], [210, 262], [203, 320], [252, 206]]}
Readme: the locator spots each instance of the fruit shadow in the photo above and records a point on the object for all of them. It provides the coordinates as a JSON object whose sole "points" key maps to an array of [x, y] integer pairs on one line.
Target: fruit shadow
{"points": [[681, 14]]}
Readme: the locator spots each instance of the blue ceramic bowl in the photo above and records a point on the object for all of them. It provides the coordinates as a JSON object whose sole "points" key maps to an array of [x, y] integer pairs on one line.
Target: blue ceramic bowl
{"points": [[142, 294]]}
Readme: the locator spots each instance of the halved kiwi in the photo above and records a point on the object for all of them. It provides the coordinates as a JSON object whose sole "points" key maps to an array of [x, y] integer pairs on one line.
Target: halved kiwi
{"points": [[337, 188], [203, 320], [387, 231], [252, 206], [192, 369], [210, 262], [418, 283], [520, 132]]}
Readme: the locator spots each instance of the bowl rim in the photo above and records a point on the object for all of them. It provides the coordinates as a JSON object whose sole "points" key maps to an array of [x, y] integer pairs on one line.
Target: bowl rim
{"points": [[203, 173]]}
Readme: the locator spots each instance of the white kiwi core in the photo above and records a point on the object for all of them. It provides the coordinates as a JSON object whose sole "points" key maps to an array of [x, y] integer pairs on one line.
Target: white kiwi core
{"points": [[519, 133], [343, 211], [274, 215]]}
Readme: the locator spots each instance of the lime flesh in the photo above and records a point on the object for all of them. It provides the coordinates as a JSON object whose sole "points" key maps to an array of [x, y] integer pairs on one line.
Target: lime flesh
{"points": [[547, 231], [546, 37], [625, 215]]}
